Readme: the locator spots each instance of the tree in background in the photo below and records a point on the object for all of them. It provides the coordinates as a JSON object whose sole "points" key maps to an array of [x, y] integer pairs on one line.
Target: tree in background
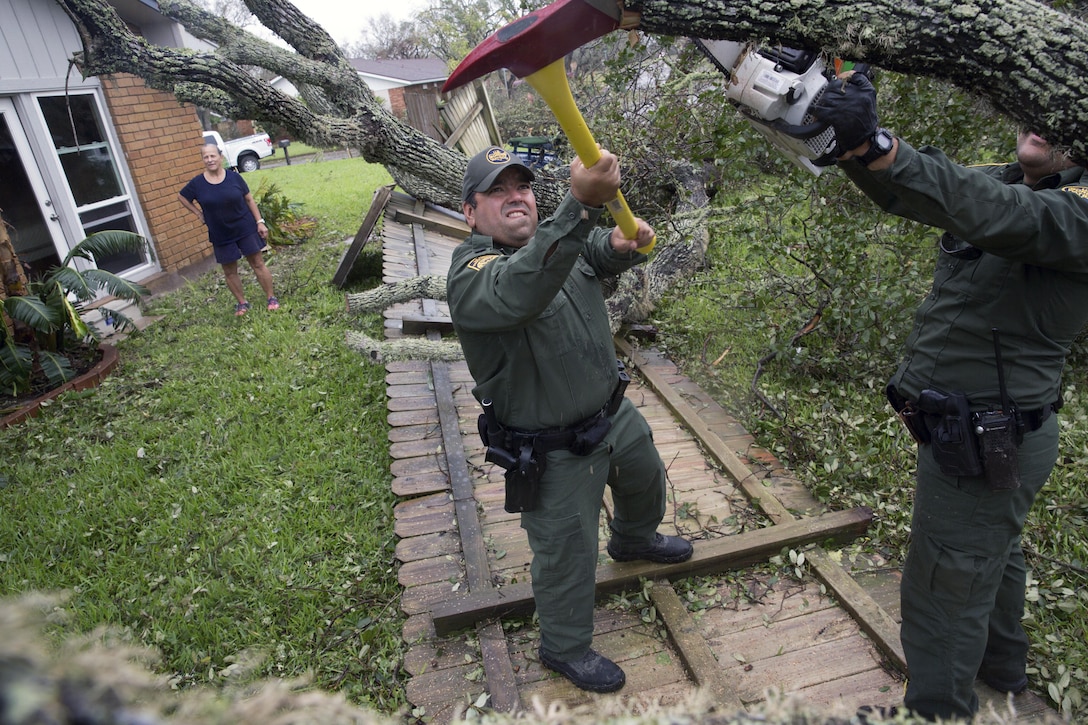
{"points": [[234, 12], [387, 39]]}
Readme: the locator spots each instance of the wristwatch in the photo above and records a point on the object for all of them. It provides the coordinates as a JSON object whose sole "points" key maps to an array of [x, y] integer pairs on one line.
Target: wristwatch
{"points": [[880, 144]]}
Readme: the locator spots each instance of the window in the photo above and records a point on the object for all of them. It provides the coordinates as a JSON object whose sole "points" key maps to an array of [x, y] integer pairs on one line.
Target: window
{"points": [[87, 158]]}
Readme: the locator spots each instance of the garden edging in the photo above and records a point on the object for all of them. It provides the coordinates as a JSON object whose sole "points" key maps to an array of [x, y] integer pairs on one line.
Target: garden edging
{"points": [[90, 379]]}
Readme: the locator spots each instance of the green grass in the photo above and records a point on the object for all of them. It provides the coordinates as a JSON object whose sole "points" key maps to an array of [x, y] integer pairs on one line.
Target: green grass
{"points": [[300, 148], [338, 192], [226, 491]]}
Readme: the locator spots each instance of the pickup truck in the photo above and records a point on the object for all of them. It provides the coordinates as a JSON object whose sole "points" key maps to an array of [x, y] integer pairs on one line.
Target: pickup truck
{"points": [[245, 153]]}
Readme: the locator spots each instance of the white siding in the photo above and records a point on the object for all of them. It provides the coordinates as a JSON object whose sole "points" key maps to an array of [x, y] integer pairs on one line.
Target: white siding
{"points": [[36, 41]]}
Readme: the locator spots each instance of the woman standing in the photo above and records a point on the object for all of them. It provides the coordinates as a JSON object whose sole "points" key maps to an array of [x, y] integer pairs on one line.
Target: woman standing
{"points": [[235, 226]]}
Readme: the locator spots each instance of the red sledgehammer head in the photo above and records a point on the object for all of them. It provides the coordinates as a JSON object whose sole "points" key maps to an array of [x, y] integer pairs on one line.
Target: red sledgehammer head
{"points": [[532, 42]]}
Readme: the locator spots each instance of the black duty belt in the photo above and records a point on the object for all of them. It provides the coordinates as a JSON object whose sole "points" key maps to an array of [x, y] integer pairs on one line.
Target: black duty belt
{"points": [[554, 439], [579, 438], [911, 414]]}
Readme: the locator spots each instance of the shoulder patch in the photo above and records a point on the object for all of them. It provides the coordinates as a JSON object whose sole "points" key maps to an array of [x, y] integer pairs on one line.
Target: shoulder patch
{"points": [[482, 261], [1081, 191]]}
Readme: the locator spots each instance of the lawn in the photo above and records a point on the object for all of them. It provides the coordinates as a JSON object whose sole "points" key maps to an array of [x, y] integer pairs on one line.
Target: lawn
{"points": [[338, 192], [225, 494]]}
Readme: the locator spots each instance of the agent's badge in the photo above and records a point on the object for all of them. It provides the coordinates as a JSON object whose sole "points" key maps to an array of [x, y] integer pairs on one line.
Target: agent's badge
{"points": [[482, 261]]}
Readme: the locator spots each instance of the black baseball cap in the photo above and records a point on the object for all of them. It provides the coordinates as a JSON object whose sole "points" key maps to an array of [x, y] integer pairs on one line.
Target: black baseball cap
{"points": [[485, 167]]}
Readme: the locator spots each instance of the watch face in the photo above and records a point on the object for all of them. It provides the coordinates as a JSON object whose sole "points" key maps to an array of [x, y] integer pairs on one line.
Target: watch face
{"points": [[883, 141]]}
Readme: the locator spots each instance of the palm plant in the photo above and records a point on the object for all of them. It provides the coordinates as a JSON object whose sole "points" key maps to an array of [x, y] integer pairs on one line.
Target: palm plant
{"points": [[52, 310]]}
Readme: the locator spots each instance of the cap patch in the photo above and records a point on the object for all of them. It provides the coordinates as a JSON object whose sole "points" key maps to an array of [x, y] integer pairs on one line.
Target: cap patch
{"points": [[482, 261], [497, 156]]}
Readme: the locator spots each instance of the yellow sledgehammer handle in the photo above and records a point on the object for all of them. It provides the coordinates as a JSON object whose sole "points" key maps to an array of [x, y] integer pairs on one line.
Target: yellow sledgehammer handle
{"points": [[551, 83]]}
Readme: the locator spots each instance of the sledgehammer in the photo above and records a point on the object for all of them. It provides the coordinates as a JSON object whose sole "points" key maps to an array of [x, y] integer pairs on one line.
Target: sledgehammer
{"points": [[532, 48]]}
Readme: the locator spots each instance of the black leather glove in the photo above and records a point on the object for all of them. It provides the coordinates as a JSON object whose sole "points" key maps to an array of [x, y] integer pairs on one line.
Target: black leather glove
{"points": [[850, 108]]}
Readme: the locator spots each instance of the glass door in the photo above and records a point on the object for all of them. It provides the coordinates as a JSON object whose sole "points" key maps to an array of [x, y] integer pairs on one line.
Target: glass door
{"points": [[87, 158], [24, 202]]}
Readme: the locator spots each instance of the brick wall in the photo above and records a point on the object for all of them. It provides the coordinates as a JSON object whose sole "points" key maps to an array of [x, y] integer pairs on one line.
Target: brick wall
{"points": [[396, 103], [161, 140]]}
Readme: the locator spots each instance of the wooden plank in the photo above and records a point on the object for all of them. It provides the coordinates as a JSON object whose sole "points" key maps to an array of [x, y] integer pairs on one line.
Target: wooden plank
{"points": [[419, 627], [796, 669], [420, 485], [430, 570], [403, 366], [425, 597], [420, 325], [697, 657], [427, 655], [415, 466], [741, 473], [881, 628], [466, 121], [462, 609], [416, 416], [807, 628], [449, 228], [377, 206], [405, 433], [419, 390], [398, 405], [438, 521], [440, 543], [447, 689], [415, 448], [846, 694], [407, 377], [501, 683]]}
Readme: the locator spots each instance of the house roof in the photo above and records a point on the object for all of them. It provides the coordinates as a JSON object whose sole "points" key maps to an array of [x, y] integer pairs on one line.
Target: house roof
{"points": [[408, 70]]}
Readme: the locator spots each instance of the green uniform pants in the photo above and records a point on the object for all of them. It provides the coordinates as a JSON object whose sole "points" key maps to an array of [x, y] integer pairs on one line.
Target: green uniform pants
{"points": [[563, 530], [964, 578]]}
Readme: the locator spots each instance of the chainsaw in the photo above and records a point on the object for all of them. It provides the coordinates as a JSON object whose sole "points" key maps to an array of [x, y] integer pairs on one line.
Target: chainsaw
{"points": [[774, 88]]}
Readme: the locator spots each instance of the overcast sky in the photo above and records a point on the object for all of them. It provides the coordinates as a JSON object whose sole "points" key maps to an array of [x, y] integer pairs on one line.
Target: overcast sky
{"points": [[345, 21]]}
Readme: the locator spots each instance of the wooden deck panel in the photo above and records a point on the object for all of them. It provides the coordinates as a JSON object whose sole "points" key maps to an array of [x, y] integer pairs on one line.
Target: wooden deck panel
{"points": [[762, 632]]}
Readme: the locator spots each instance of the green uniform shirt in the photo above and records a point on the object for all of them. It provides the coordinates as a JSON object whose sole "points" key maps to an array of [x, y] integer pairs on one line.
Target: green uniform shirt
{"points": [[533, 322], [1031, 282]]}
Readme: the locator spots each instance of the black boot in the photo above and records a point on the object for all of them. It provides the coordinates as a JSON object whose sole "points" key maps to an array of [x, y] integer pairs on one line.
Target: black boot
{"points": [[591, 672], [1002, 681], [663, 550]]}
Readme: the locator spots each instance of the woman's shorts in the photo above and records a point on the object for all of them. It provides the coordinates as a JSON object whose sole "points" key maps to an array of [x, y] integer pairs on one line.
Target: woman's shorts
{"points": [[233, 251]]}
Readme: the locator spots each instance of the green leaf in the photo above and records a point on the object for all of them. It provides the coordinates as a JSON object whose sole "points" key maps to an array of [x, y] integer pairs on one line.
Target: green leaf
{"points": [[107, 243], [34, 313], [16, 362], [56, 367], [100, 279], [73, 282]]}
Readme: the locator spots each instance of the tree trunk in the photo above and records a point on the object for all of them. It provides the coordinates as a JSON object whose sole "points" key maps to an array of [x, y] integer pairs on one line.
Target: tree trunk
{"points": [[1027, 59], [11, 270]]}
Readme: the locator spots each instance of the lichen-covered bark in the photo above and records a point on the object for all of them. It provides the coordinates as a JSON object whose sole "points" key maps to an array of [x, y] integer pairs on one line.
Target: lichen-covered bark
{"points": [[1027, 59], [221, 80]]}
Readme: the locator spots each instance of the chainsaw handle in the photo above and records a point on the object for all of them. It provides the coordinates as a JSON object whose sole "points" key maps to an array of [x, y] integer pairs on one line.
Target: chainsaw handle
{"points": [[550, 82]]}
